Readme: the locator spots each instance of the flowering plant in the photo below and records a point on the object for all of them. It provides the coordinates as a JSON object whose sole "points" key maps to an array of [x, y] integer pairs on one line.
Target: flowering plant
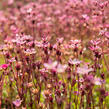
{"points": [[54, 54]]}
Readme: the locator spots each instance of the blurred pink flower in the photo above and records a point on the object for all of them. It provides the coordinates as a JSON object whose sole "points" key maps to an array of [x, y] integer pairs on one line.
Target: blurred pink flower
{"points": [[10, 2], [12, 60], [74, 61], [17, 102], [84, 70], [74, 43], [85, 16], [51, 65], [97, 81], [59, 68], [76, 93], [4, 66], [107, 34]]}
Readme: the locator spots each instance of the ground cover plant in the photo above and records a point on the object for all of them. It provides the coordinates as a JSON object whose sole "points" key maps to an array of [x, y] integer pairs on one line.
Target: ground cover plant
{"points": [[54, 54]]}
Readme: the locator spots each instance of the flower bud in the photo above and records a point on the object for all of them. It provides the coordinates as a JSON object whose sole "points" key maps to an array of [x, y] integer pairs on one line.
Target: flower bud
{"points": [[51, 99], [58, 52], [17, 67]]}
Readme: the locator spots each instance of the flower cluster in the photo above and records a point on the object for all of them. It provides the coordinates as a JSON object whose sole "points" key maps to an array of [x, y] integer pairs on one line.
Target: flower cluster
{"points": [[54, 54], [43, 74]]}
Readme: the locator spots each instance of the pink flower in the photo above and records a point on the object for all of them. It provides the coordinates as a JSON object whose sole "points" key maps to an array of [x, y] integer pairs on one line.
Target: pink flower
{"points": [[55, 66], [10, 2], [84, 70], [107, 34], [60, 40], [61, 68], [94, 48], [74, 62], [50, 65], [17, 102], [76, 92], [96, 42], [97, 81], [85, 16], [75, 43], [4, 66], [12, 60]]}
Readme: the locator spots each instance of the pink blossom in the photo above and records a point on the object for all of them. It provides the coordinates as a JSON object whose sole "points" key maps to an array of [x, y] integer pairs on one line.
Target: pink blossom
{"points": [[10, 2], [107, 34], [74, 61], [55, 66], [61, 68], [84, 70], [51, 65], [97, 81], [17, 102], [4, 66]]}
